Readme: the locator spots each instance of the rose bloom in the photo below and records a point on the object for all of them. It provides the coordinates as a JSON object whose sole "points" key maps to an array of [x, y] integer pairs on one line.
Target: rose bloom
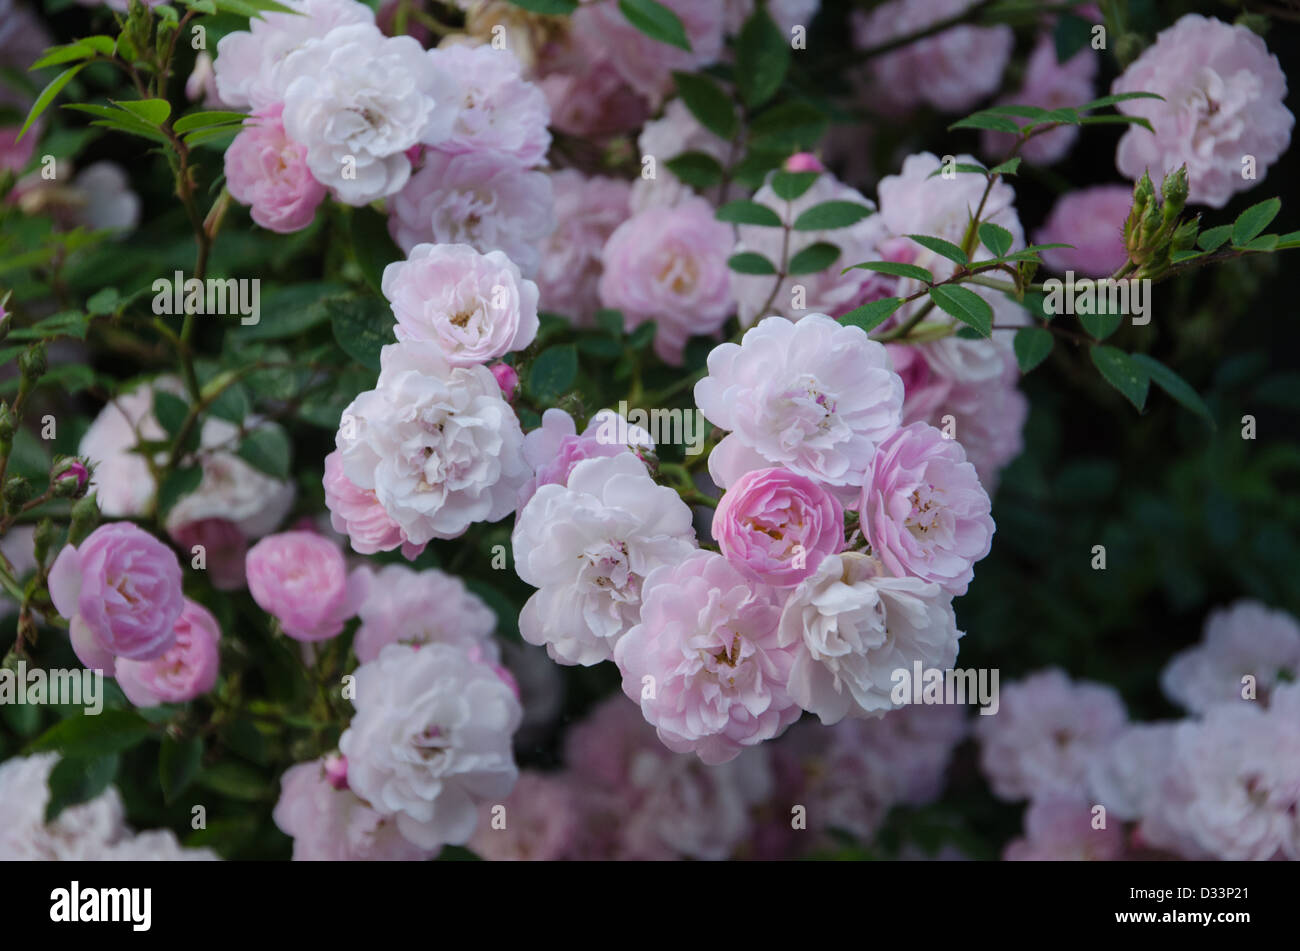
{"points": [[555, 447], [541, 819], [852, 626], [224, 549], [1091, 219], [1224, 97], [121, 591], [814, 396], [268, 171], [356, 513], [588, 96], [1060, 829], [778, 526], [358, 100], [185, 671], [302, 579], [487, 201], [923, 509], [1048, 84], [704, 661], [950, 71], [438, 445], [431, 740], [675, 132], [500, 111], [250, 63], [80, 832], [587, 546], [329, 823], [669, 265], [474, 307], [587, 210], [397, 610]]}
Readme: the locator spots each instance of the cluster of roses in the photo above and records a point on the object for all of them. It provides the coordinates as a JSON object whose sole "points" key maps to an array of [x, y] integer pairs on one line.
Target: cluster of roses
{"points": [[1223, 783]]}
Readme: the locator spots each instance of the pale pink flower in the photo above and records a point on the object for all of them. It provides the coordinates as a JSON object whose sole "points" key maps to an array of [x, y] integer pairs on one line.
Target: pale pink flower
{"points": [[778, 526], [268, 172], [1046, 731], [675, 132], [81, 832], [1245, 640], [1224, 96], [487, 201], [1060, 829], [404, 606], [555, 447], [704, 661], [329, 823], [1092, 220], [537, 825], [357, 513], [120, 589], [474, 307], [588, 96], [302, 579], [507, 378], [499, 111], [185, 671], [813, 396], [950, 71], [923, 509], [669, 265], [587, 210]]}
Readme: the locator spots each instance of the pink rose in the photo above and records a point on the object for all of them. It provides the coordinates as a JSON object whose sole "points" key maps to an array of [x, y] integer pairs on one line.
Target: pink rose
{"points": [[669, 265], [267, 170], [356, 512], [707, 649], [778, 525], [302, 579], [923, 509], [507, 378], [1092, 220], [121, 591], [186, 670]]}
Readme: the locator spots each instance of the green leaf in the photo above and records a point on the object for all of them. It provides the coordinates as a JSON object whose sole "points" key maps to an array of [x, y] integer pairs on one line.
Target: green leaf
{"points": [[1025, 112], [896, 269], [103, 45], [965, 305], [987, 120], [48, 94], [362, 327], [119, 120], [232, 405], [371, 244], [110, 731], [872, 315], [58, 55], [995, 237], [170, 410], [291, 311], [656, 21], [267, 449], [1118, 119], [236, 780], [814, 258], [1254, 220], [1118, 97], [942, 248], [1211, 239], [789, 127], [1101, 325], [178, 484], [830, 215], [152, 111], [750, 262], [548, 7], [762, 58], [960, 167], [1071, 35], [201, 120], [1121, 372], [1009, 167], [78, 779], [790, 185], [553, 373], [1265, 242], [743, 212], [708, 103], [178, 764], [1174, 385], [1032, 346], [1291, 240], [697, 169], [103, 302]]}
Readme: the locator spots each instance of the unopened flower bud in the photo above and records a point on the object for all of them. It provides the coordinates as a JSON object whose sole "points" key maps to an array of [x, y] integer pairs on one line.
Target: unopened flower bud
{"points": [[507, 378], [1175, 189], [18, 492], [32, 362], [85, 516], [69, 478], [42, 539], [6, 424], [804, 162]]}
